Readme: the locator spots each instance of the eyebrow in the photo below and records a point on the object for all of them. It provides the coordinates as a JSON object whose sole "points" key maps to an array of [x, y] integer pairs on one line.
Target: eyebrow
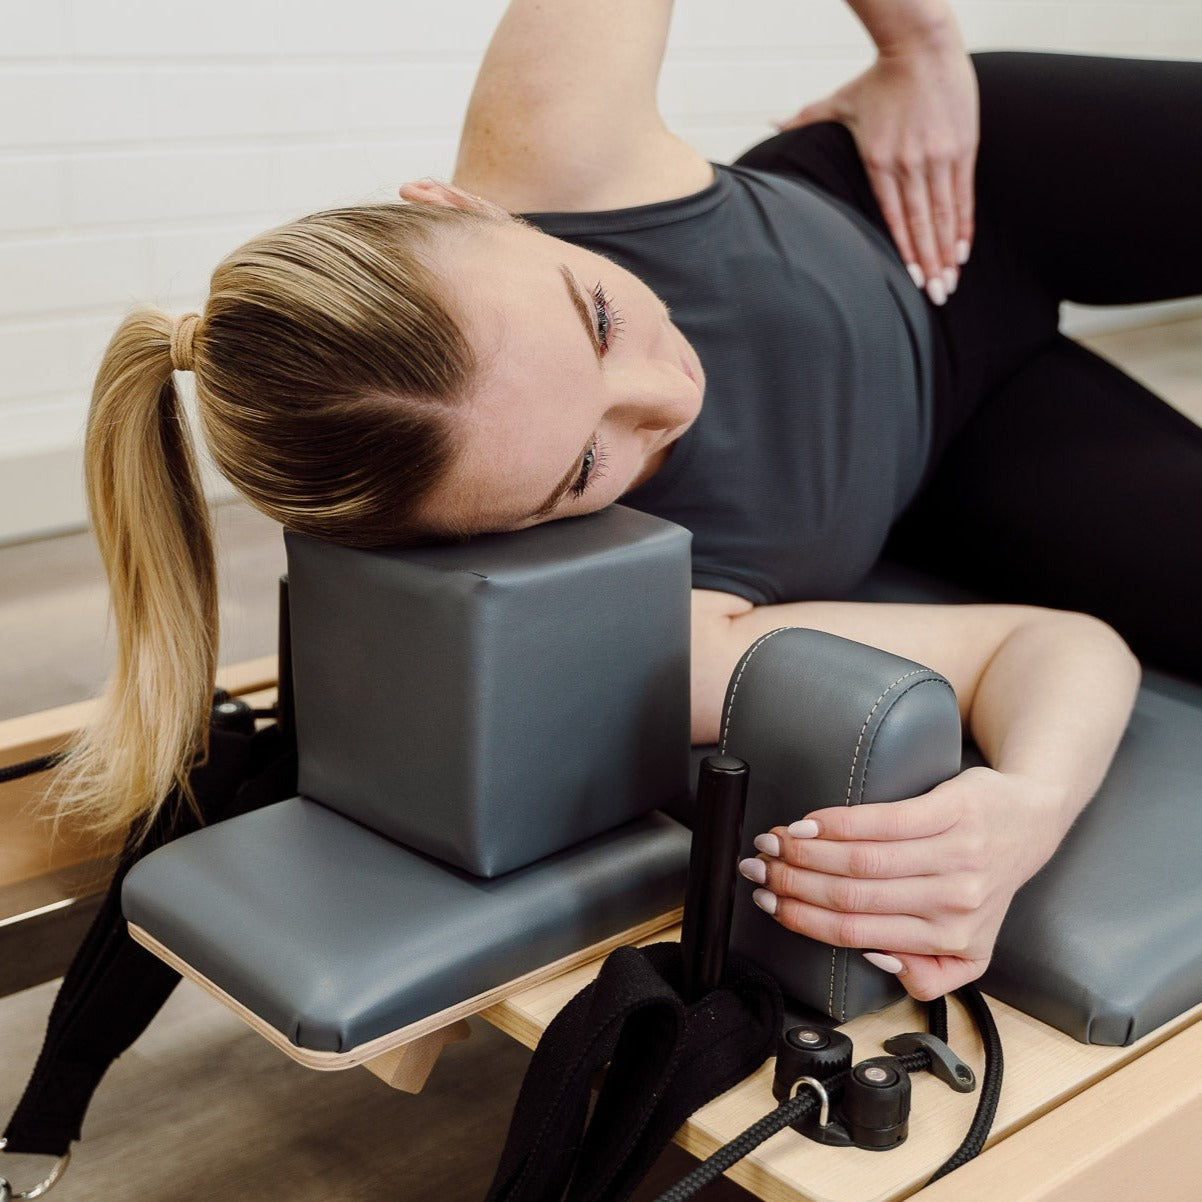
{"points": [[581, 307], [573, 472]]}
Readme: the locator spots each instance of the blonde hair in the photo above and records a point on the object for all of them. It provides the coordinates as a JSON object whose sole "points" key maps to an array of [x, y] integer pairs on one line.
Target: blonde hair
{"points": [[327, 367]]}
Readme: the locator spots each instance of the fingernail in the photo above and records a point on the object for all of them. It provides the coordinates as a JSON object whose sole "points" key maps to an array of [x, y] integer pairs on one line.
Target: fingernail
{"points": [[765, 900], [951, 279], [962, 249], [916, 274], [882, 961], [937, 292], [754, 870], [768, 844], [803, 828]]}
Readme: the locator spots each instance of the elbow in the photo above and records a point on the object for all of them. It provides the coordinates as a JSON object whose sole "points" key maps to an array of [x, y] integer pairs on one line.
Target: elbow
{"points": [[1104, 643]]}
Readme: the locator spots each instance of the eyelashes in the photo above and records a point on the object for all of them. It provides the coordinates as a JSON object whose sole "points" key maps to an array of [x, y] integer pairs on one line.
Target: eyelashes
{"points": [[593, 467], [609, 324], [609, 319]]}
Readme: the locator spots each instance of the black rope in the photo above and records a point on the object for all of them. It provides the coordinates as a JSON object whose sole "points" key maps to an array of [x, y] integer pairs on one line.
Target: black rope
{"points": [[717, 1164], [991, 1084], [43, 763], [937, 1017]]}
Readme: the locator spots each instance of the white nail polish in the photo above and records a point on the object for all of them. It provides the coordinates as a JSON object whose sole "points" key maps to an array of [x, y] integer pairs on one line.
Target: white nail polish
{"points": [[937, 292], [916, 274], [754, 870], [765, 900], [768, 844], [962, 251], [951, 279], [884, 962], [803, 828]]}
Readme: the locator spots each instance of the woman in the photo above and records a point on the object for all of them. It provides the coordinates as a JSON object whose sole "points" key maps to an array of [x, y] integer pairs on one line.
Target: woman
{"points": [[436, 369]]}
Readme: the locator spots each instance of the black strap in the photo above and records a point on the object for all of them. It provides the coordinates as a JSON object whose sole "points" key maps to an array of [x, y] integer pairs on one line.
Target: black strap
{"points": [[666, 1060], [114, 987], [43, 763]]}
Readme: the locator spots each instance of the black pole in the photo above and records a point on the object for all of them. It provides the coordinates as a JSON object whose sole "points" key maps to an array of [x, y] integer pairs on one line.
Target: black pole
{"points": [[713, 871], [284, 698]]}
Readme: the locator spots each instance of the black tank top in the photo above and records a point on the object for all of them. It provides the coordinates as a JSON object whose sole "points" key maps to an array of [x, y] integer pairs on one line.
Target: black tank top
{"points": [[815, 427]]}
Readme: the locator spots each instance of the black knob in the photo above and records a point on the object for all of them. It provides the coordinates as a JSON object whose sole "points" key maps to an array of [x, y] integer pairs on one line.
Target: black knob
{"points": [[809, 1052], [876, 1104], [234, 715]]}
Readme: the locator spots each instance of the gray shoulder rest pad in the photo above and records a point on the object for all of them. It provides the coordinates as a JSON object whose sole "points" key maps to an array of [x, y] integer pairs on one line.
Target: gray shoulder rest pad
{"points": [[822, 721], [335, 936]]}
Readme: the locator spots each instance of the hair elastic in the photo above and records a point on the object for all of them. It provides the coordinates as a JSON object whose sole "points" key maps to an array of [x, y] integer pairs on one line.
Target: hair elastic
{"points": [[182, 334]]}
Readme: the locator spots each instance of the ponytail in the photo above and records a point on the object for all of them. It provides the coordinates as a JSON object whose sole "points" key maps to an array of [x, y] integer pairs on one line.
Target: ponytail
{"points": [[328, 370], [152, 525]]}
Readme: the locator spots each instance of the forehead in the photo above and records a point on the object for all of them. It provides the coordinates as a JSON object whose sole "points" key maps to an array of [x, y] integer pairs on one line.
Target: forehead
{"points": [[536, 398]]}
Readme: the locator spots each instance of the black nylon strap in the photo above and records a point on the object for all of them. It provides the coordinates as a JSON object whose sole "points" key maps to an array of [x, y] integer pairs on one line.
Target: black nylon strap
{"points": [[666, 1061], [113, 987]]}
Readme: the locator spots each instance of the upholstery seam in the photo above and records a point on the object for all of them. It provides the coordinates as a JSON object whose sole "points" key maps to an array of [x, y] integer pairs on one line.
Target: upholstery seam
{"points": [[847, 802], [730, 706]]}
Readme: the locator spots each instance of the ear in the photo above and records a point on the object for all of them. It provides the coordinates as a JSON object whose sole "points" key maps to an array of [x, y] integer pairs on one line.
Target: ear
{"points": [[433, 192]]}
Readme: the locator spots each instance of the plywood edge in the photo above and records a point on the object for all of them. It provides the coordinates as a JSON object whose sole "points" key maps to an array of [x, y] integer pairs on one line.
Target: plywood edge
{"points": [[336, 1061]]}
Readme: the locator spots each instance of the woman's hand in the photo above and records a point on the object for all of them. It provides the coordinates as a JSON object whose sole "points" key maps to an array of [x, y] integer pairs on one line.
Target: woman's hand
{"points": [[914, 117], [926, 880]]}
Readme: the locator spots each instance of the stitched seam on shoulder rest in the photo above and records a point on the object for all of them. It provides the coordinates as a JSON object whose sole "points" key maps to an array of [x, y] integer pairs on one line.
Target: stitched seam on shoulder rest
{"points": [[864, 730], [937, 680], [743, 668], [851, 777]]}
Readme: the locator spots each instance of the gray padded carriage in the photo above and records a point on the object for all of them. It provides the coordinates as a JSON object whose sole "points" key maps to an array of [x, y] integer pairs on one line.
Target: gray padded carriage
{"points": [[333, 932]]}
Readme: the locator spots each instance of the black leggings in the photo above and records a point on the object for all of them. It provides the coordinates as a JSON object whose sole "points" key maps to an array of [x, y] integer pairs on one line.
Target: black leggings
{"points": [[1056, 478]]}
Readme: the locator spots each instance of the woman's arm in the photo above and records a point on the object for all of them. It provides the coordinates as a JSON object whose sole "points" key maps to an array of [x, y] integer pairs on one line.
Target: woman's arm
{"points": [[564, 113], [1045, 694], [914, 116]]}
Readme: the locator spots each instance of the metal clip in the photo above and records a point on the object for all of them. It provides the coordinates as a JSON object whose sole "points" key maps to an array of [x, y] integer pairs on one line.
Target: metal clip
{"points": [[43, 1187], [945, 1064], [824, 1099]]}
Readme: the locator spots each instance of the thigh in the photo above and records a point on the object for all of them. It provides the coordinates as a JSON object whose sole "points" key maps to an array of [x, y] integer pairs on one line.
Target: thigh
{"points": [[1095, 165], [1073, 486]]}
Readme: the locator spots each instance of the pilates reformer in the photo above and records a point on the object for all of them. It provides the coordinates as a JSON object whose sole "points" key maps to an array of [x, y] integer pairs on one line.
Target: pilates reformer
{"points": [[437, 696]]}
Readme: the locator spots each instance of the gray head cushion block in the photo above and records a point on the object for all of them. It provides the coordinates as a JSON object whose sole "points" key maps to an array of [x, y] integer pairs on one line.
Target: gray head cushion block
{"points": [[334, 936], [495, 701], [822, 721]]}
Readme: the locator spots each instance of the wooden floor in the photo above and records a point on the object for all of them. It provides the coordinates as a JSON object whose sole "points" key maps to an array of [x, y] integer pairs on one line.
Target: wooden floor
{"points": [[201, 1107]]}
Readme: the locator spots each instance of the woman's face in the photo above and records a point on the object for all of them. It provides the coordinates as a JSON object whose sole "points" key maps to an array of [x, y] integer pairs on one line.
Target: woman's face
{"points": [[583, 384]]}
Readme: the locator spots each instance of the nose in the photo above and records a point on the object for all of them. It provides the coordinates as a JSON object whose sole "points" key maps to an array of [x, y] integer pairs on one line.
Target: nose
{"points": [[659, 393]]}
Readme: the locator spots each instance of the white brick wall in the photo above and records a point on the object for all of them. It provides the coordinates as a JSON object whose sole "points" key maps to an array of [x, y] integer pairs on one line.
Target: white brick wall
{"points": [[140, 140]]}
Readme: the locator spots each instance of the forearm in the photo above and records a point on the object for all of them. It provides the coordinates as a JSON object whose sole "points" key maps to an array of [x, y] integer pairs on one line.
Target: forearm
{"points": [[929, 879], [1052, 705], [900, 25]]}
